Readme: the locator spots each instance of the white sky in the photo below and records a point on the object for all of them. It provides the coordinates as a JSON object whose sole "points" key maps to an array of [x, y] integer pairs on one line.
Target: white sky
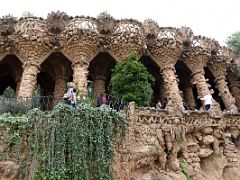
{"points": [[212, 18]]}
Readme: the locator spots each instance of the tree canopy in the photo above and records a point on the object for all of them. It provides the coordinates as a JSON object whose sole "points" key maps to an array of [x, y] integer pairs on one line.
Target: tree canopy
{"points": [[131, 81], [233, 41]]}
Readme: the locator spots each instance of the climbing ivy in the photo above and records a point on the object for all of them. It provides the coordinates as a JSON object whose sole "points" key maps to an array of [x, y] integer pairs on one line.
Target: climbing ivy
{"points": [[74, 144]]}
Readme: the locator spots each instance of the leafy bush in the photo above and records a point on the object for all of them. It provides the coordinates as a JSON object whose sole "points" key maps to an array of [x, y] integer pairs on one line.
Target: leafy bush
{"points": [[64, 143], [13, 106], [131, 81]]}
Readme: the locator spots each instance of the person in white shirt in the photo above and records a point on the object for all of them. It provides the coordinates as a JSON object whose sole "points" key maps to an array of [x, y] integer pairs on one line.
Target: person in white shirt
{"points": [[207, 102]]}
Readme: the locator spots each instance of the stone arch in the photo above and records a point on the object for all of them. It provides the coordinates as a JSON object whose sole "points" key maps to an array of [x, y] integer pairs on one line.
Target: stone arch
{"points": [[100, 72], [211, 81], [10, 73], [188, 90], [54, 73], [154, 70]]}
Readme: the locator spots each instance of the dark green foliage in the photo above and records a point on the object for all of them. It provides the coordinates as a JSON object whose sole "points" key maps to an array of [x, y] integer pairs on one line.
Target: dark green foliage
{"points": [[233, 41], [70, 144], [9, 93], [131, 81]]}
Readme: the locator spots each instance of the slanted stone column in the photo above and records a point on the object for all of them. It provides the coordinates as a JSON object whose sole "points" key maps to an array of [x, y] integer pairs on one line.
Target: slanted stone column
{"points": [[196, 64], [234, 87], [29, 79], [99, 86], [171, 86], [228, 99], [219, 70], [199, 80], [18, 82], [80, 72], [59, 88], [188, 94]]}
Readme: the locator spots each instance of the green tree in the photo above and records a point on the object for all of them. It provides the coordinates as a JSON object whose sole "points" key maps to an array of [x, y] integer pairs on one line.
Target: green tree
{"points": [[233, 41], [27, 14], [131, 81]]}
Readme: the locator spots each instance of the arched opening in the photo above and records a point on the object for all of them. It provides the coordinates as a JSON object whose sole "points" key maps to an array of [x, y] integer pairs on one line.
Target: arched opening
{"points": [[55, 67], [215, 95], [100, 70], [52, 80], [188, 91], [154, 70], [10, 73]]}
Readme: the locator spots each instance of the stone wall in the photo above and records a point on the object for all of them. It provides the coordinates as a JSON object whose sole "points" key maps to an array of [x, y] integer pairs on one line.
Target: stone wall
{"points": [[157, 146]]}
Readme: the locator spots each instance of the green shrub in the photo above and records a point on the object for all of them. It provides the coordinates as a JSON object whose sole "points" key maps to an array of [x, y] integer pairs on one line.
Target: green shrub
{"points": [[131, 81]]}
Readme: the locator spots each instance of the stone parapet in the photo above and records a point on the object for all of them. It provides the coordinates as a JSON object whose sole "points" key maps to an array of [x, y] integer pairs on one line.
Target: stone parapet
{"points": [[160, 145]]}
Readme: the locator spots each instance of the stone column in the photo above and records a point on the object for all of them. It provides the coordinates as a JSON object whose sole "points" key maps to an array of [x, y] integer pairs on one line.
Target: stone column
{"points": [[228, 99], [234, 87], [80, 72], [18, 82], [200, 82], [171, 86], [29, 79], [99, 85], [219, 70], [59, 88], [188, 94]]}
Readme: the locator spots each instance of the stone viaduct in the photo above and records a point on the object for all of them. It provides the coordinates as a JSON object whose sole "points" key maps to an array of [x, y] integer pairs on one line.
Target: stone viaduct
{"points": [[52, 51]]}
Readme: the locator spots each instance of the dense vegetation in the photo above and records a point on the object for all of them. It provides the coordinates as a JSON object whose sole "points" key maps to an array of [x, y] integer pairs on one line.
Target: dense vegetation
{"points": [[65, 143], [131, 81], [233, 41]]}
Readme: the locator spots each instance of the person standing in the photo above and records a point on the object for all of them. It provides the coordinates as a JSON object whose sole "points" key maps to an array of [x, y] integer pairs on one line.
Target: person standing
{"points": [[207, 99], [71, 96]]}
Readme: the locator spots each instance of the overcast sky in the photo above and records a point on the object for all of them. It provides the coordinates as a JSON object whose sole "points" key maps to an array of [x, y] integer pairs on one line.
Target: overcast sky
{"points": [[212, 18]]}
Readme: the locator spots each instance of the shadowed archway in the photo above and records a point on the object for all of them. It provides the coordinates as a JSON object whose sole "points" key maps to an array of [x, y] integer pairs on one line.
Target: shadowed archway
{"points": [[10, 73], [188, 90], [55, 72], [100, 70], [154, 70]]}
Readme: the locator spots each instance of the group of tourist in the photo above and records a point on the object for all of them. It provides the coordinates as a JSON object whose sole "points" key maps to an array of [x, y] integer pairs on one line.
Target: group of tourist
{"points": [[103, 99], [71, 98]]}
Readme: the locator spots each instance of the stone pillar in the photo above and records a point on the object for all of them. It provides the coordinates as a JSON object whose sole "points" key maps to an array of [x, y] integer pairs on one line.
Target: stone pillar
{"points": [[188, 94], [99, 85], [18, 82], [29, 79], [59, 88], [201, 84], [234, 87], [80, 72], [171, 86], [228, 99]]}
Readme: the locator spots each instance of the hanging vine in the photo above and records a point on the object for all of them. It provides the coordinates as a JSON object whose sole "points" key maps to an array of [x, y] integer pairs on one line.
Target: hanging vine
{"points": [[72, 144]]}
